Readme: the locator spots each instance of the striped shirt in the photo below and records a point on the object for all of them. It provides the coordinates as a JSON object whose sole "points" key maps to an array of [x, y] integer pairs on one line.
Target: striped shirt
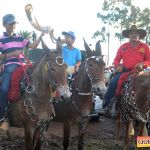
{"points": [[10, 44]]}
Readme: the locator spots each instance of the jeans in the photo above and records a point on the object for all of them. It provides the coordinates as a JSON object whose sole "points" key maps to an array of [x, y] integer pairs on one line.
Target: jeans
{"points": [[111, 90], [4, 87]]}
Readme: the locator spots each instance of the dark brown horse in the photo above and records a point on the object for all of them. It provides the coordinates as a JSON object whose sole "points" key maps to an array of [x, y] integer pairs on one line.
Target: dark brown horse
{"points": [[34, 109], [88, 79], [134, 107]]}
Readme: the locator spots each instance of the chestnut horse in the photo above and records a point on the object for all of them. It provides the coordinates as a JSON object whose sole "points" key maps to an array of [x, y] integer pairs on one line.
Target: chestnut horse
{"points": [[34, 110], [88, 79], [134, 106]]}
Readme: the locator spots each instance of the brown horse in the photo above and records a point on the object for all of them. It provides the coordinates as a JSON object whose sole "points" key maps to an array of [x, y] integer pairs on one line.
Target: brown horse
{"points": [[134, 107], [88, 79], [34, 109]]}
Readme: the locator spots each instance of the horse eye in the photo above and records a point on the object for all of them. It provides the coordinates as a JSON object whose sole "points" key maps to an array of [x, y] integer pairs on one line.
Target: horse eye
{"points": [[90, 65], [53, 70]]}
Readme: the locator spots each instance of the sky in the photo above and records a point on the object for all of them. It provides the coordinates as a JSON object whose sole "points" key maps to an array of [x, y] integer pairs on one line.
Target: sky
{"points": [[79, 16]]}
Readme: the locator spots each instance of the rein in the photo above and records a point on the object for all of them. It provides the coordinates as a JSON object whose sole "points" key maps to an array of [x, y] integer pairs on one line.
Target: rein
{"points": [[23, 68], [28, 102], [131, 107]]}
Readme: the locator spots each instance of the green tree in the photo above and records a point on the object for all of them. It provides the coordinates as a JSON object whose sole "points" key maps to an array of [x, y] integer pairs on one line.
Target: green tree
{"points": [[119, 14], [144, 21], [116, 15], [26, 35]]}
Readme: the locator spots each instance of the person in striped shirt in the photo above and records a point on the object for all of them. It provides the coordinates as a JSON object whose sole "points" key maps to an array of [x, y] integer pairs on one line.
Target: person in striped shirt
{"points": [[11, 47]]}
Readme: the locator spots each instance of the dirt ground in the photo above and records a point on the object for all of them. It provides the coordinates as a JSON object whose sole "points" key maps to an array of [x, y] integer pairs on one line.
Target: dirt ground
{"points": [[100, 136]]}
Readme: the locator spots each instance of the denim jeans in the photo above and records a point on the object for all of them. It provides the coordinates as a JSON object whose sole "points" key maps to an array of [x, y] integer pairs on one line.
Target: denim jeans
{"points": [[4, 87], [111, 90]]}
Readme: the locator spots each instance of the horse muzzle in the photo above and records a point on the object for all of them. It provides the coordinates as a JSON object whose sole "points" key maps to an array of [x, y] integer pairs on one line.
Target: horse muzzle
{"points": [[64, 92], [99, 88]]}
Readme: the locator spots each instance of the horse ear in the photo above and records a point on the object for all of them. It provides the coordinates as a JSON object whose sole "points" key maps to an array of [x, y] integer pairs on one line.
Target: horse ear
{"points": [[87, 48], [59, 45], [98, 49], [44, 46]]}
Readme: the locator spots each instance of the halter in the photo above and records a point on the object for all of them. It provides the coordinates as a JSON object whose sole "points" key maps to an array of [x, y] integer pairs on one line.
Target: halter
{"points": [[97, 58], [52, 82]]}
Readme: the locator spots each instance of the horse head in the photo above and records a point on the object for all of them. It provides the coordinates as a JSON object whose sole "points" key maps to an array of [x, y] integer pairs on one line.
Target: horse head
{"points": [[95, 68], [142, 90], [53, 69]]}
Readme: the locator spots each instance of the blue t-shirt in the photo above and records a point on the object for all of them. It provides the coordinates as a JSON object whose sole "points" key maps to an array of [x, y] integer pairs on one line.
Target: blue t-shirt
{"points": [[71, 57]]}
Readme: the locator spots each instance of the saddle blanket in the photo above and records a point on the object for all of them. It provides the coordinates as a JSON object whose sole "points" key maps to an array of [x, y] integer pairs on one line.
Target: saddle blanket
{"points": [[122, 79], [14, 92]]}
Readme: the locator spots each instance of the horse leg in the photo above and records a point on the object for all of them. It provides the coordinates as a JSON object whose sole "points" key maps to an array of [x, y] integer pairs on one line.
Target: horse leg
{"points": [[143, 130], [129, 133], [66, 135], [118, 129], [28, 137], [126, 139], [36, 139], [132, 134], [81, 132]]}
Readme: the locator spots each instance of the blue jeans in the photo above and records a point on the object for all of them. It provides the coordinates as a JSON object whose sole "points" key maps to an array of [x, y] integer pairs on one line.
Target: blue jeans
{"points": [[111, 90], [4, 87]]}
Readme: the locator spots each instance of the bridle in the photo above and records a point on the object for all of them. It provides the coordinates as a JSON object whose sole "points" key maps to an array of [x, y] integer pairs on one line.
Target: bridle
{"points": [[86, 68], [31, 88], [53, 83], [97, 58]]}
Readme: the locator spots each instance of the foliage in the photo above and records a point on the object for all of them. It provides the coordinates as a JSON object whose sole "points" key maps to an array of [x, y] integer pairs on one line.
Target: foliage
{"points": [[117, 15], [26, 35]]}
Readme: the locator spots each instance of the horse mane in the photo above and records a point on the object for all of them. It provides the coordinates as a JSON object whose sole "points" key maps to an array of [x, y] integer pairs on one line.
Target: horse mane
{"points": [[143, 76], [81, 72]]}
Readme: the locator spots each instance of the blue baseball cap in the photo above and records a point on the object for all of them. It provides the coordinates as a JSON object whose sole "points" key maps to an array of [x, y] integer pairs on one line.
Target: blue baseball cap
{"points": [[9, 19], [69, 33]]}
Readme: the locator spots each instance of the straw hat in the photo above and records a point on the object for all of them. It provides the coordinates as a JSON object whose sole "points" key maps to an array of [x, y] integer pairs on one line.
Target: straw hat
{"points": [[141, 32]]}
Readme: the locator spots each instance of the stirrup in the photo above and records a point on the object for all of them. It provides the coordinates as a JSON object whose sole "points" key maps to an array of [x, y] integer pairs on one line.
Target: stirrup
{"points": [[1, 120]]}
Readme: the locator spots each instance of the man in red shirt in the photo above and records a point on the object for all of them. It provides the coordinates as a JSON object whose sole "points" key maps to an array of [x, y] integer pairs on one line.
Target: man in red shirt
{"points": [[129, 55]]}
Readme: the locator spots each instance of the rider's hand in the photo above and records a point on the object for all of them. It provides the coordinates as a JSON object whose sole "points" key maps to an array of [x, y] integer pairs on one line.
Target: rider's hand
{"points": [[139, 67], [16, 53], [1, 68], [76, 69], [119, 68]]}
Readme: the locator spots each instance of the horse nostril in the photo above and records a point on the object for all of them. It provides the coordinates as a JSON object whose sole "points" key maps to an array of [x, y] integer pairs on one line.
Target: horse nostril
{"points": [[62, 97], [98, 89]]}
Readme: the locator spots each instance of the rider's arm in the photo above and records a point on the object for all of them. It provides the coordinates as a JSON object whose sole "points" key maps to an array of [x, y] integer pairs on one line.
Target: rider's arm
{"points": [[11, 54], [77, 65], [117, 58], [117, 65]]}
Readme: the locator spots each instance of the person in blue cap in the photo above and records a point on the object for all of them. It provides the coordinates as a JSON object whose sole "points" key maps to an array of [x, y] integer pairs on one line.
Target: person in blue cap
{"points": [[11, 47], [71, 55]]}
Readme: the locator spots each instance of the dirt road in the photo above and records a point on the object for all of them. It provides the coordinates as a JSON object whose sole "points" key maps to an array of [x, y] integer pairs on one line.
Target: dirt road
{"points": [[100, 136]]}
